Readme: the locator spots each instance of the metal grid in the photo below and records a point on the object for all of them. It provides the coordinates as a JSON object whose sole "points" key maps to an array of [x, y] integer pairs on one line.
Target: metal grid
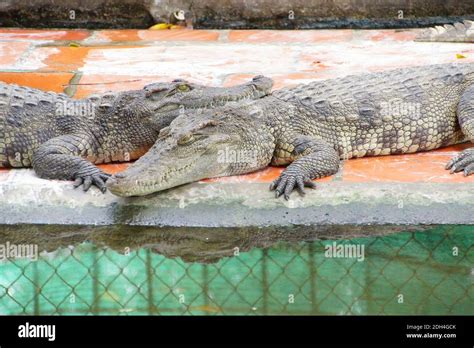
{"points": [[403, 273]]}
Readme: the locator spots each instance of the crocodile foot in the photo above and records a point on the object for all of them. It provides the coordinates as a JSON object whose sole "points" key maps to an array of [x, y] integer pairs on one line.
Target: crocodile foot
{"points": [[287, 181], [88, 178], [462, 162]]}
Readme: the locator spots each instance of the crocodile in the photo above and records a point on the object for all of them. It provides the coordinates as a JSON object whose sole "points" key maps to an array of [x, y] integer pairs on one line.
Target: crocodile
{"points": [[311, 128], [64, 138]]}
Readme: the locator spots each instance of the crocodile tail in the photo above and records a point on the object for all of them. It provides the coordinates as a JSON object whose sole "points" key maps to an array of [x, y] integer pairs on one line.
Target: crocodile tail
{"points": [[457, 32]]}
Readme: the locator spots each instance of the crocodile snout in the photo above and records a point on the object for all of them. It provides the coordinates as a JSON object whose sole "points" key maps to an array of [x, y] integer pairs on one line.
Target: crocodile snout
{"points": [[126, 185], [115, 184]]}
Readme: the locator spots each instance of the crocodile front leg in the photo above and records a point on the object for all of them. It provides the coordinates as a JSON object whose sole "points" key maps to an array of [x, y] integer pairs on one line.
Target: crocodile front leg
{"points": [[315, 159], [465, 113], [58, 158]]}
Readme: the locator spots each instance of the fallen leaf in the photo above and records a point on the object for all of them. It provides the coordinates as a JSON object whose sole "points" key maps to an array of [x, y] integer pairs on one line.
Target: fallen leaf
{"points": [[160, 26]]}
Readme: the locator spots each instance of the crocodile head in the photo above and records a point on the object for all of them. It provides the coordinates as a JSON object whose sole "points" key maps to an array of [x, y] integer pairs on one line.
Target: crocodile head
{"points": [[169, 100], [202, 144]]}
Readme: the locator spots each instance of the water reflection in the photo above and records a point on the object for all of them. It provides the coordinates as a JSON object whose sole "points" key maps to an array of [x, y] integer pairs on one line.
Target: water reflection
{"points": [[144, 270]]}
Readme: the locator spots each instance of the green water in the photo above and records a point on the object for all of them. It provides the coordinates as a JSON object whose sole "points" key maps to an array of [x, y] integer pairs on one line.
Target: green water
{"points": [[430, 272]]}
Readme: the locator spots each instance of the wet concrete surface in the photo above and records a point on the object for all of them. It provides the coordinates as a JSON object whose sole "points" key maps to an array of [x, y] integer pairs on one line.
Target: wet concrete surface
{"points": [[242, 205]]}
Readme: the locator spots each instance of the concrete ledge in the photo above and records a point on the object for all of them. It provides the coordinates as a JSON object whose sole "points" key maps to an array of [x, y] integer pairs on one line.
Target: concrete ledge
{"points": [[36, 201]]}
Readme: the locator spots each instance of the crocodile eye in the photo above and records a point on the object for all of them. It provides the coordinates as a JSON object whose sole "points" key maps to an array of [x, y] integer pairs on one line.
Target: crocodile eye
{"points": [[183, 88], [186, 139]]}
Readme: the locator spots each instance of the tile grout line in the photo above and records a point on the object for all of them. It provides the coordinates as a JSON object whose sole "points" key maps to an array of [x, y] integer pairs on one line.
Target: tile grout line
{"points": [[223, 36]]}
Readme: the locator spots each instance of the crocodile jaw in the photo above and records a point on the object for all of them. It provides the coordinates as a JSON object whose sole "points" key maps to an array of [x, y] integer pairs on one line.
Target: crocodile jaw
{"points": [[160, 169], [149, 182]]}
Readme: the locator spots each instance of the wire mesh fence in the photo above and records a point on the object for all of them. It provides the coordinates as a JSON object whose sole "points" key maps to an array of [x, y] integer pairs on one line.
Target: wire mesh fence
{"points": [[429, 272]]}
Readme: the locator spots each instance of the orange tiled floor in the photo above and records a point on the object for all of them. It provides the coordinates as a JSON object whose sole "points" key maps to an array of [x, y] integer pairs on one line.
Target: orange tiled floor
{"points": [[156, 35], [303, 36], [126, 59], [52, 82]]}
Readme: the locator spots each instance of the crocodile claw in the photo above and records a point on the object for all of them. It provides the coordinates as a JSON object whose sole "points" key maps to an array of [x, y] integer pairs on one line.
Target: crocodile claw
{"points": [[287, 182], [97, 179], [462, 162]]}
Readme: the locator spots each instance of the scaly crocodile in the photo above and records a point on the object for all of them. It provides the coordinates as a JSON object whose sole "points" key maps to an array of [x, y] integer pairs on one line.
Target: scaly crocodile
{"points": [[312, 127], [62, 138]]}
